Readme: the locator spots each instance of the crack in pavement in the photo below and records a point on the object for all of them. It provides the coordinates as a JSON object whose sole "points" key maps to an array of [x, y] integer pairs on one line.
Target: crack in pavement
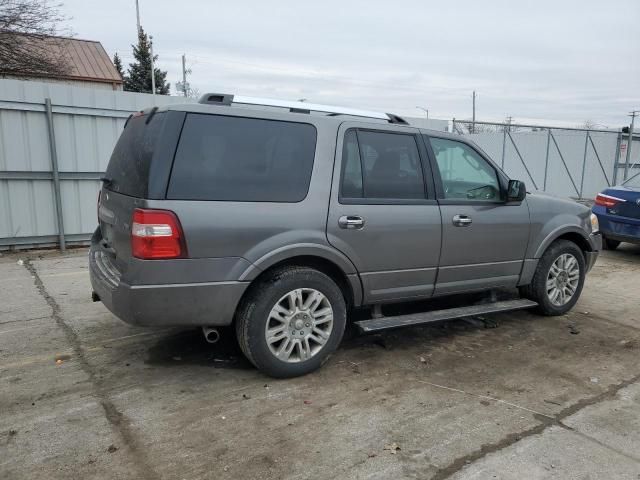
{"points": [[546, 421], [486, 397], [600, 443], [120, 423]]}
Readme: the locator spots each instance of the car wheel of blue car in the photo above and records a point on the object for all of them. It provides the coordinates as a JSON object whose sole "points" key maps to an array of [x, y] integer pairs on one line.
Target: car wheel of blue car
{"points": [[610, 244]]}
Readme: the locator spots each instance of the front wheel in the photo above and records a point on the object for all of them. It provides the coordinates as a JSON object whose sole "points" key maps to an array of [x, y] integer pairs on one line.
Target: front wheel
{"points": [[291, 321], [611, 244], [558, 279]]}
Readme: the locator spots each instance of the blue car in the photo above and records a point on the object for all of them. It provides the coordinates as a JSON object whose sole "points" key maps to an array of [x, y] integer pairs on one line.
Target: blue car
{"points": [[618, 212]]}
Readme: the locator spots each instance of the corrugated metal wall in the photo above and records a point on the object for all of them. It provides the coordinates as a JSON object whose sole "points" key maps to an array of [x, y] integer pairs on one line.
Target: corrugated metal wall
{"points": [[86, 124], [561, 171]]}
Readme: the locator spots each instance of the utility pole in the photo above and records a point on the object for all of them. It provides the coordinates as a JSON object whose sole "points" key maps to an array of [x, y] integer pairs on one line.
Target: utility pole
{"points": [[473, 118], [629, 142], [425, 110], [184, 75], [509, 119], [138, 16], [153, 69]]}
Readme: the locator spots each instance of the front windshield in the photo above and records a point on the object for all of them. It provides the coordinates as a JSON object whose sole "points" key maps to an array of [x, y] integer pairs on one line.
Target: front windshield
{"points": [[633, 181]]}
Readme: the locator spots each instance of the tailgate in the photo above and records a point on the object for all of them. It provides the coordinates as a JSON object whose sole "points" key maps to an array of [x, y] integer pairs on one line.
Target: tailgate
{"points": [[115, 211], [137, 153]]}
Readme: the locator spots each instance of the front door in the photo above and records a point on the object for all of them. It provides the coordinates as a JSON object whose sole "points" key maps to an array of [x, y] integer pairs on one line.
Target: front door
{"points": [[383, 213], [484, 239]]}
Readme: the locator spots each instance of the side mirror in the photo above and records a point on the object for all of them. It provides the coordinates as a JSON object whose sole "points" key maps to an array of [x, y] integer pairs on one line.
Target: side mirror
{"points": [[516, 191]]}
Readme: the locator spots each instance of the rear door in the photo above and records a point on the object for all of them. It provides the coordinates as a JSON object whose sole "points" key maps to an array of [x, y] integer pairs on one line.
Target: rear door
{"points": [[383, 214], [484, 239]]}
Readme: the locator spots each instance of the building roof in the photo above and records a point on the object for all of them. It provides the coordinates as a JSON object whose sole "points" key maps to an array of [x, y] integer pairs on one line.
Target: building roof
{"points": [[87, 59]]}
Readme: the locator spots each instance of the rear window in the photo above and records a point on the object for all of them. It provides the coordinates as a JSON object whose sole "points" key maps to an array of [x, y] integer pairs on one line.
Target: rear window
{"points": [[242, 159], [130, 161]]}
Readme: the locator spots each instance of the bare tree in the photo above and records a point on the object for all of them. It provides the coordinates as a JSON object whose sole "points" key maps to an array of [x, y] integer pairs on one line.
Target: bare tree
{"points": [[28, 46]]}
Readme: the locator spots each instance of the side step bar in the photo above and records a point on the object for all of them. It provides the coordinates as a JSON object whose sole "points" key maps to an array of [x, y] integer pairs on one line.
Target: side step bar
{"points": [[384, 323]]}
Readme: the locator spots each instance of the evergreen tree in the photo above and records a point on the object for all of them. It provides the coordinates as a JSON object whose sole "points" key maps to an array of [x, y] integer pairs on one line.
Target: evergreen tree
{"points": [[117, 62], [138, 78]]}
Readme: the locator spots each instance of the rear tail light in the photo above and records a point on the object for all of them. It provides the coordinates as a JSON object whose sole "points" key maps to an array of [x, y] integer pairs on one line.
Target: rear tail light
{"points": [[156, 234], [608, 201]]}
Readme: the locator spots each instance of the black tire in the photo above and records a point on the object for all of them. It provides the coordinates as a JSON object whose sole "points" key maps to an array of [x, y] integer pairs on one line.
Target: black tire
{"points": [[610, 244], [253, 314], [537, 289]]}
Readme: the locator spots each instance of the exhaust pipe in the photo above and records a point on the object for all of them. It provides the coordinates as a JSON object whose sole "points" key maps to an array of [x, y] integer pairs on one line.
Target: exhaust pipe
{"points": [[211, 334]]}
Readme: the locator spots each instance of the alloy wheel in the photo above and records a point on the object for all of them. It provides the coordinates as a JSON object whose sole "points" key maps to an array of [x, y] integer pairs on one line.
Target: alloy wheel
{"points": [[299, 325], [563, 279]]}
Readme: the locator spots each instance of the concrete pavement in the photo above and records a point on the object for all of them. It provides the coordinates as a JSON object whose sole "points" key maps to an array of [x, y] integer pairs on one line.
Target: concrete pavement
{"points": [[83, 395]]}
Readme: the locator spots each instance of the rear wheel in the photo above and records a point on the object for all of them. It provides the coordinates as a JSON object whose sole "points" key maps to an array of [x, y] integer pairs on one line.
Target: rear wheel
{"points": [[291, 321], [611, 244], [558, 279]]}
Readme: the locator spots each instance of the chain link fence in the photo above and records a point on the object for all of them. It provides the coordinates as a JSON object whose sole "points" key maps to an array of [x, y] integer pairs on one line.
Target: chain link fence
{"points": [[568, 162]]}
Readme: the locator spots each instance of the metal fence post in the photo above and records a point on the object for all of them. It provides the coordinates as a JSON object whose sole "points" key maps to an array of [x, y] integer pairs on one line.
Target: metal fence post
{"points": [[584, 163], [504, 145], [617, 159], [55, 173], [627, 161], [546, 161]]}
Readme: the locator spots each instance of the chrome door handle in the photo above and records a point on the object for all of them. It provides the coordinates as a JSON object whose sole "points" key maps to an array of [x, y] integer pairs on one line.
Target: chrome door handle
{"points": [[351, 222], [461, 220]]}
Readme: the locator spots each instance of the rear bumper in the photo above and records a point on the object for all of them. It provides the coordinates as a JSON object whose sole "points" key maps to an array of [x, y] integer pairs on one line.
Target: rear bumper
{"points": [[205, 303], [618, 228]]}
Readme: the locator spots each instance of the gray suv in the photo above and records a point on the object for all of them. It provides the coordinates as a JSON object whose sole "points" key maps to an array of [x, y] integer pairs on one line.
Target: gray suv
{"points": [[281, 218]]}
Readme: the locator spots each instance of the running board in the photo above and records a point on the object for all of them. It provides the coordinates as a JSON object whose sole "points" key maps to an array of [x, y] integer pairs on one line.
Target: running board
{"points": [[377, 324]]}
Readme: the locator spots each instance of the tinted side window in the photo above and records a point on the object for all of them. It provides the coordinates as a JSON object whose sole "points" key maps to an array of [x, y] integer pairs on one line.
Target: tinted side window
{"points": [[465, 174], [389, 164], [130, 161], [242, 159]]}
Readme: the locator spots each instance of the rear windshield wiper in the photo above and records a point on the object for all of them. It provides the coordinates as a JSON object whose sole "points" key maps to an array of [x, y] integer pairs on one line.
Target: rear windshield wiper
{"points": [[106, 181]]}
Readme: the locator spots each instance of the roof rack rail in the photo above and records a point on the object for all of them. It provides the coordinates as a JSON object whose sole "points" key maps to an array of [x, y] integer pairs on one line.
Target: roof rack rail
{"points": [[297, 107]]}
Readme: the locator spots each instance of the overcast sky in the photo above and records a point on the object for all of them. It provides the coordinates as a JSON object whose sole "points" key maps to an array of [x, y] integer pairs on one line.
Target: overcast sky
{"points": [[538, 61]]}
